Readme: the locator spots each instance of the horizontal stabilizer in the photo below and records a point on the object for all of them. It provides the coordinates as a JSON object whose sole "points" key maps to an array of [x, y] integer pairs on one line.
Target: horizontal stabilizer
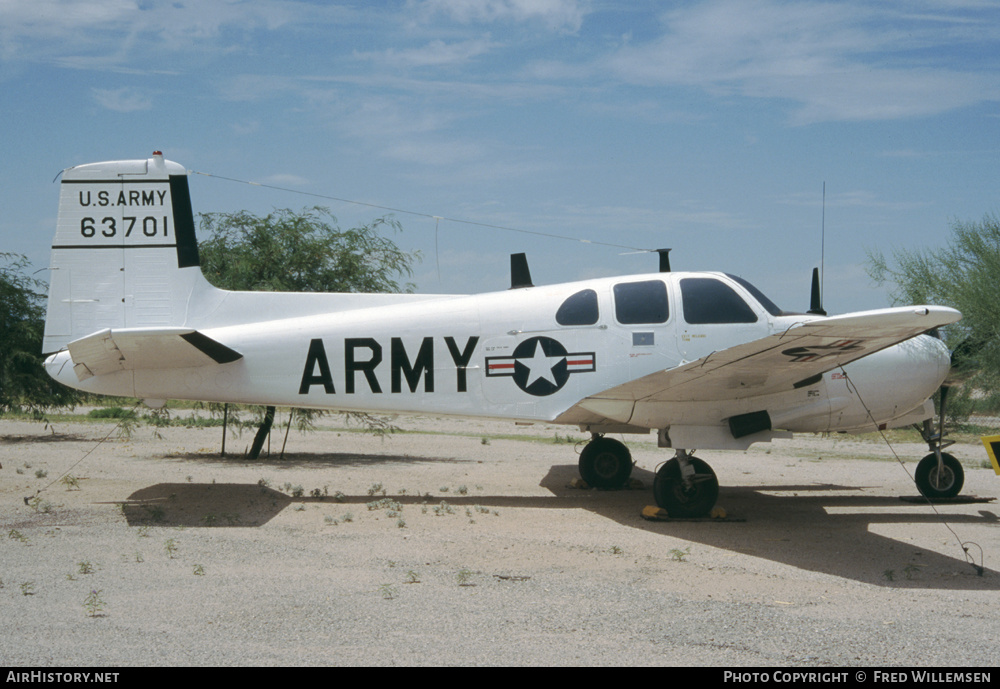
{"points": [[125, 349]]}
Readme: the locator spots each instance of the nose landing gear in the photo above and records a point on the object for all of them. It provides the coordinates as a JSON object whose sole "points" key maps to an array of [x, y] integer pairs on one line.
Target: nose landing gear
{"points": [[939, 474]]}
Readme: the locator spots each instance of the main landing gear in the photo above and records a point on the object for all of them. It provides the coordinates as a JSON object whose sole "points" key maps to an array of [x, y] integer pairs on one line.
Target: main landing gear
{"points": [[685, 486], [605, 463]]}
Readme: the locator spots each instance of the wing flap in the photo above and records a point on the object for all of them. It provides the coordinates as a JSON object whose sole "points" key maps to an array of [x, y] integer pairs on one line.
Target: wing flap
{"points": [[775, 363], [111, 350]]}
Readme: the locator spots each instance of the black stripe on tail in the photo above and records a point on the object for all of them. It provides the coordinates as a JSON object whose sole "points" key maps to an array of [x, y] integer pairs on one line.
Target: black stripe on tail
{"points": [[187, 243]]}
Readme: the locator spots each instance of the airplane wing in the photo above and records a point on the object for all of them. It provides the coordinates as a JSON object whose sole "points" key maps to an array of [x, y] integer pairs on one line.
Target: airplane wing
{"points": [[783, 361], [110, 350]]}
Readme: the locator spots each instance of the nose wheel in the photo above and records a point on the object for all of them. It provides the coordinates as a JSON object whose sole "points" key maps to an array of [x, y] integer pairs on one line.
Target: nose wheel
{"points": [[686, 487], [942, 479], [939, 474]]}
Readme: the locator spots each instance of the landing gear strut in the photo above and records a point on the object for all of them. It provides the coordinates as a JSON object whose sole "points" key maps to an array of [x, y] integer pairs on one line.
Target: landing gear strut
{"points": [[939, 474], [685, 486], [605, 463]]}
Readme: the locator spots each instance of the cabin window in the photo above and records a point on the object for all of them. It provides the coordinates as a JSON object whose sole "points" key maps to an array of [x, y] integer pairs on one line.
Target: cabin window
{"points": [[579, 309], [707, 300], [641, 302]]}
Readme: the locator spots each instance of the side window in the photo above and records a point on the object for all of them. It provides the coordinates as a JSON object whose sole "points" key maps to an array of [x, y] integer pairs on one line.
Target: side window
{"points": [[707, 300], [579, 309], [641, 302]]}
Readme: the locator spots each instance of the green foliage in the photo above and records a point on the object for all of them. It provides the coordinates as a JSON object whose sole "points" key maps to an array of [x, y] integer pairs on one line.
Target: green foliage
{"points": [[962, 275], [111, 413], [24, 384], [301, 252]]}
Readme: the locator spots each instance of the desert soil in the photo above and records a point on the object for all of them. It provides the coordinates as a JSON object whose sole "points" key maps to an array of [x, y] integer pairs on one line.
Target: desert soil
{"points": [[464, 543]]}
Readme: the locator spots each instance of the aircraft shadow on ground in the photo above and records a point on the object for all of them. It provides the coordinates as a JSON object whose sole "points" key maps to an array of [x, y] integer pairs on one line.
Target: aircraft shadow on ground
{"points": [[312, 460], [821, 528], [41, 438]]}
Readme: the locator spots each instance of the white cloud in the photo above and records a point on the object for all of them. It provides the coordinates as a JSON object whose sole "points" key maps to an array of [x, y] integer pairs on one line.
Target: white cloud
{"points": [[124, 31], [122, 100], [562, 15], [434, 54], [839, 61], [58, 17]]}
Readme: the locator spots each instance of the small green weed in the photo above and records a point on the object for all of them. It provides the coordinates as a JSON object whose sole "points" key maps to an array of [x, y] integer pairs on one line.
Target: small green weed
{"points": [[443, 508], [94, 604], [71, 482], [39, 505], [678, 555]]}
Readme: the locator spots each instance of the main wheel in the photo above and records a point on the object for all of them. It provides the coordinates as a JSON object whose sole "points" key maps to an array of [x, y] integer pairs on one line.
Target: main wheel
{"points": [[696, 500], [605, 463], [946, 483]]}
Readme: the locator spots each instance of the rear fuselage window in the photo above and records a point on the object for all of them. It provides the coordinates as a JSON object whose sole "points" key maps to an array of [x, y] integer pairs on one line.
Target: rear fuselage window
{"points": [[707, 300], [641, 302], [579, 309]]}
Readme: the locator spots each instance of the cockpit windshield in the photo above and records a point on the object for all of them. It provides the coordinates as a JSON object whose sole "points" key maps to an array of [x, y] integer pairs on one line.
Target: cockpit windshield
{"points": [[768, 305]]}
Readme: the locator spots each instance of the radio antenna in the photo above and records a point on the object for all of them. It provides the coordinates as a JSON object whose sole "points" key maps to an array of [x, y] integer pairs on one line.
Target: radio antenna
{"points": [[822, 246], [816, 294]]}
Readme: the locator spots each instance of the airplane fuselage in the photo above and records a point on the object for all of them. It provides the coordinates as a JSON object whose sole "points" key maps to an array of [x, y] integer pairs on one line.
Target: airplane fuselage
{"points": [[506, 355]]}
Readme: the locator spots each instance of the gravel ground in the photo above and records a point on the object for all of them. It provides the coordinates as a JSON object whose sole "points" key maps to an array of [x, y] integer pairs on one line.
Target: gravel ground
{"points": [[480, 552]]}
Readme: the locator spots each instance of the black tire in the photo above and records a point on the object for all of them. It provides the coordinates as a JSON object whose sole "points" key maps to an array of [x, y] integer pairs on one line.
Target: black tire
{"points": [[695, 501], [947, 485], [605, 463]]}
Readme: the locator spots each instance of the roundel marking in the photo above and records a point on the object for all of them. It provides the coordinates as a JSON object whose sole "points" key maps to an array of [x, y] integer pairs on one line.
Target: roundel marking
{"points": [[540, 366]]}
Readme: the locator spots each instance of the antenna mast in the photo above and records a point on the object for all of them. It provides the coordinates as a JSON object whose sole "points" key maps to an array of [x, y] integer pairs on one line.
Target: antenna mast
{"points": [[822, 246]]}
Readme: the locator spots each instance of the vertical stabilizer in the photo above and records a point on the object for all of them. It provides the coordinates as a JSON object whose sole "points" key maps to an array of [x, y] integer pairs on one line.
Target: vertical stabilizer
{"points": [[125, 253]]}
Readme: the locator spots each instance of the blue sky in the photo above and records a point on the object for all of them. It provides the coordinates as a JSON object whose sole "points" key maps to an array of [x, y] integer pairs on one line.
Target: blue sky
{"points": [[705, 126]]}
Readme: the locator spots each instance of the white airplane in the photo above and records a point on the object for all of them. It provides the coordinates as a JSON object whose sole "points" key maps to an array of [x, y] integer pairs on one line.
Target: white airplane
{"points": [[704, 359]]}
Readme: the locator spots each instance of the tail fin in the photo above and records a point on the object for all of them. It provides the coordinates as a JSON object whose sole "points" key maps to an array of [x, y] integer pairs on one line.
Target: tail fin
{"points": [[125, 253]]}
